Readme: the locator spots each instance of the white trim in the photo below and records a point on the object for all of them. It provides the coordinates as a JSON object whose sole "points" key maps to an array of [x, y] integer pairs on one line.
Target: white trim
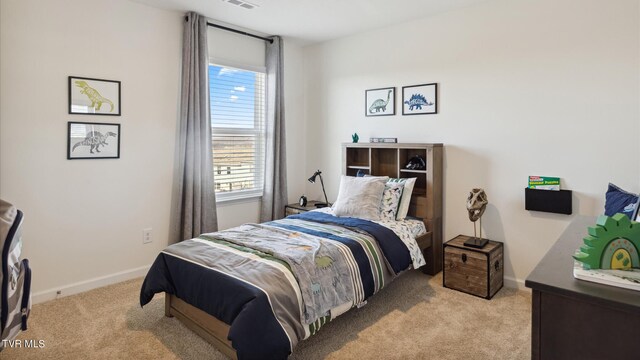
{"points": [[82, 286], [227, 196], [237, 65], [514, 283]]}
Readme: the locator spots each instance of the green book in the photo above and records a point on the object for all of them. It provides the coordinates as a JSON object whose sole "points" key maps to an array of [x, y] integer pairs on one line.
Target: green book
{"points": [[544, 183]]}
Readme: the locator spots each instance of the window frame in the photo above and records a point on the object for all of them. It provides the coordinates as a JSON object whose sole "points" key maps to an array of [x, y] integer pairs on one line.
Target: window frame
{"points": [[236, 195]]}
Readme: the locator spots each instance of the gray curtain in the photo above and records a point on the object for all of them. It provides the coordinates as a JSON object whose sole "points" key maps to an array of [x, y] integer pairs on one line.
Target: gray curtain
{"points": [[274, 196], [195, 208]]}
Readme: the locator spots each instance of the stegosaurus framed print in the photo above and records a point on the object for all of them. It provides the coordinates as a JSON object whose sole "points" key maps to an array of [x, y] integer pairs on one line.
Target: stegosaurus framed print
{"points": [[88, 96], [420, 99], [93, 141]]}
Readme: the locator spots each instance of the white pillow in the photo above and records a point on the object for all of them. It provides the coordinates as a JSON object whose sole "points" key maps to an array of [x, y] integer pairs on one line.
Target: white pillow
{"points": [[360, 197], [391, 200], [403, 208]]}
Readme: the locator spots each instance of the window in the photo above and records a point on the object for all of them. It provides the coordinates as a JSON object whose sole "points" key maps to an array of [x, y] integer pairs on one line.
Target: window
{"points": [[237, 100]]}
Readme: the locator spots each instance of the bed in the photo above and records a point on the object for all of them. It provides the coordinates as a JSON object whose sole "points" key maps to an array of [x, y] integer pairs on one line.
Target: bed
{"points": [[256, 290]]}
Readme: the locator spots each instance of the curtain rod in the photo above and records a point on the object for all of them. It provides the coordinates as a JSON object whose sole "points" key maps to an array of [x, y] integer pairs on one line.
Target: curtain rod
{"points": [[235, 31]]}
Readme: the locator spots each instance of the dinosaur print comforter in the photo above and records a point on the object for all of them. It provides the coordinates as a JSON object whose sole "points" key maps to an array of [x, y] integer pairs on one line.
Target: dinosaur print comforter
{"points": [[279, 282]]}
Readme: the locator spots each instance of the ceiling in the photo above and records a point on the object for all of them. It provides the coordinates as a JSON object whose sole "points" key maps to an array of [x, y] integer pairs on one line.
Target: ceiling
{"points": [[312, 21]]}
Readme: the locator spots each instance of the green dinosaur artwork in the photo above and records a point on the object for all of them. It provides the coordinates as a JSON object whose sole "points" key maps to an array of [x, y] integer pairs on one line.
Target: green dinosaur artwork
{"points": [[612, 244], [96, 99]]}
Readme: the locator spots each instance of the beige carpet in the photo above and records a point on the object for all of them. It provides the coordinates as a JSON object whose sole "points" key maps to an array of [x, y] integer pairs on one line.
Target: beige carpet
{"points": [[413, 318]]}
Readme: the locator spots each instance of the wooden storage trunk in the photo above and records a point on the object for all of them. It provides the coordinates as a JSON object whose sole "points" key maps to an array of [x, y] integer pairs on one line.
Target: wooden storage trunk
{"points": [[477, 272]]}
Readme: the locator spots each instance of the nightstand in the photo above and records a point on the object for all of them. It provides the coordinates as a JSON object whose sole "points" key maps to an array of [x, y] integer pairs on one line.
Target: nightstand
{"points": [[293, 209], [475, 271]]}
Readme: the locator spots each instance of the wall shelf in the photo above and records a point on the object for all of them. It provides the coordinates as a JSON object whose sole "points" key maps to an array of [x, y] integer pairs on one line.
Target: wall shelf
{"points": [[552, 201]]}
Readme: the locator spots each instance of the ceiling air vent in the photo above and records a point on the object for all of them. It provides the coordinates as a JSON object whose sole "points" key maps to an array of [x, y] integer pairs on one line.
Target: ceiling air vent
{"points": [[242, 4]]}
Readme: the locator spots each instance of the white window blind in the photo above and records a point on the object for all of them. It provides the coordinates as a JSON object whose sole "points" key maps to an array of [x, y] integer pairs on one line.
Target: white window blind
{"points": [[237, 100]]}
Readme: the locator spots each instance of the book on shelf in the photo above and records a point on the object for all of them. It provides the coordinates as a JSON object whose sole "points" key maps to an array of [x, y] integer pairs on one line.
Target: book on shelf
{"points": [[544, 183], [628, 279]]}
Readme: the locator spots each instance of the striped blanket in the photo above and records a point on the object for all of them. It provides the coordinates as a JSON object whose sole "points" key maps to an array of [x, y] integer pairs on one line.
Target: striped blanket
{"points": [[279, 282]]}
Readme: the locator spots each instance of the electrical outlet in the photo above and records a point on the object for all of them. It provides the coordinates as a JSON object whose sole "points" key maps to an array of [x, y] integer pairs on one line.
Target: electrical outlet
{"points": [[146, 236]]}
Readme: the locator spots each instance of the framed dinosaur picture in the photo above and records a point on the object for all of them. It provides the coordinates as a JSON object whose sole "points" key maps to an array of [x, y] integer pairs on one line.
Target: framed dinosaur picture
{"points": [[93, 141], [89, 96], [380, 102], [420, 99]]}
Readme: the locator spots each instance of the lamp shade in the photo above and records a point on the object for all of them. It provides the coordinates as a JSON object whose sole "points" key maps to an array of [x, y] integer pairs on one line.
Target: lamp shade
{"points": [[312, 179]]}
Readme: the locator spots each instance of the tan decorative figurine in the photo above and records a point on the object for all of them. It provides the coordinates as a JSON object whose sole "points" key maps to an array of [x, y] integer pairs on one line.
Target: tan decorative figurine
{"points": [[476, 204]]}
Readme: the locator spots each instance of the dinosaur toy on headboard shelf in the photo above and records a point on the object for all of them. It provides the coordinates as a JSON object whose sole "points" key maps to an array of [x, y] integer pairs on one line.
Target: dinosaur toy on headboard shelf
{"points": [[612, 244]]}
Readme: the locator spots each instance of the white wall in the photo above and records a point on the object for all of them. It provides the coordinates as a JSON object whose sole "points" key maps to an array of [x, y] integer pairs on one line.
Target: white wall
{"points": [[84, 218], [525, 88]]}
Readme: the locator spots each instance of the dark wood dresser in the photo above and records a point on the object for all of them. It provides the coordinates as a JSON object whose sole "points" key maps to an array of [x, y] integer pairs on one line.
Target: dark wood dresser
{"points": [[576, 319]]}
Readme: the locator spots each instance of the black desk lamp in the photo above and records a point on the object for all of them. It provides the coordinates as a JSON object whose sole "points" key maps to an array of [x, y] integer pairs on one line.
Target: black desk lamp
{"points": [[312, 180]]}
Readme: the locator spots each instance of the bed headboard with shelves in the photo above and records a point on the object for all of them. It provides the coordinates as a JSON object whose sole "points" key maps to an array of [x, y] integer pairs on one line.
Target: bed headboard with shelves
{"points": [[389, 159]]}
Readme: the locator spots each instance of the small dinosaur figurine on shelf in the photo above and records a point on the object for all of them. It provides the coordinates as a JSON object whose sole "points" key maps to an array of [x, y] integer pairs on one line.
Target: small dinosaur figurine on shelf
{"points": [[355, 137]]}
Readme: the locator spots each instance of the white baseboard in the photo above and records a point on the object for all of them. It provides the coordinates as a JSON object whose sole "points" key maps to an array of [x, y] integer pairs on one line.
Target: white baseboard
{"points": [[514, 283], [87, 285]]}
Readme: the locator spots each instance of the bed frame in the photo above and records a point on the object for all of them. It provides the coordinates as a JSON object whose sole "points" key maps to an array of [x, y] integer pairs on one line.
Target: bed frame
{"points": [[425, 204], [206, 326]]}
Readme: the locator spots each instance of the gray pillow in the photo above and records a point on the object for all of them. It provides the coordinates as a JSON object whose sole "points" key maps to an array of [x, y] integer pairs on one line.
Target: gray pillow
{"points": [[360, 197]]}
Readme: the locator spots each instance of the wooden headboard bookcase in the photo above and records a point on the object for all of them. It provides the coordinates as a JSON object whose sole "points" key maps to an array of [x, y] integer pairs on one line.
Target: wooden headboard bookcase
{"points": [[390, 159]]}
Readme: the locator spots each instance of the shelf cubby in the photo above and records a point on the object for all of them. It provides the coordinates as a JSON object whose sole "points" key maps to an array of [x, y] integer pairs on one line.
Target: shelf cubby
{"points": [[384, 162], [358, 157]]}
